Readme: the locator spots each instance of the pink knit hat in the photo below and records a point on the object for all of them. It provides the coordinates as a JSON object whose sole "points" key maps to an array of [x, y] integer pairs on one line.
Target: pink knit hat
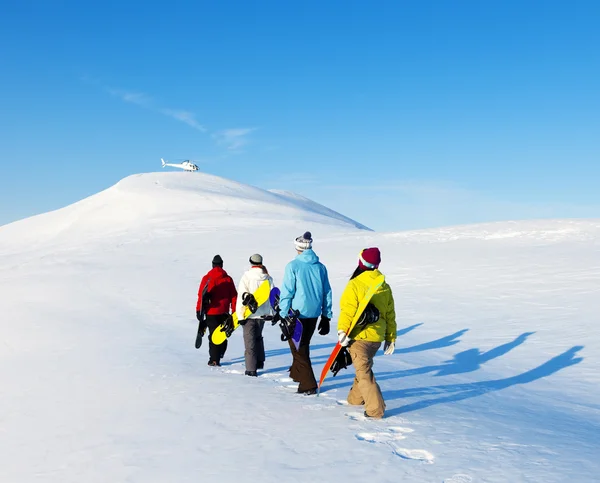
{"points": [[369, 258]]}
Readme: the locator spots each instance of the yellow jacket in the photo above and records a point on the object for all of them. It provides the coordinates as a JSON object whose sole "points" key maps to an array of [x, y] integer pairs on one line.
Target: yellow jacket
{"points": [[385, 327]]}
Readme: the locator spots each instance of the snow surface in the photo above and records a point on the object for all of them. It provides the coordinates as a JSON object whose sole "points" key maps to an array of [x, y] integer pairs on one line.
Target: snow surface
{"points": [[495, 378]]}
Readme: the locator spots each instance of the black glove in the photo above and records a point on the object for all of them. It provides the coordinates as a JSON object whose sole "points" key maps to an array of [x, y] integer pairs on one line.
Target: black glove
{"points": [[287, 327], [276, 318], [199, 315], [228, 326], [324, 325], [342, 361]]}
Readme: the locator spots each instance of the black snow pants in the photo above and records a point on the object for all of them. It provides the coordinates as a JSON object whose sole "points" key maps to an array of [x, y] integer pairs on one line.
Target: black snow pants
{"points": [[215, 352]]}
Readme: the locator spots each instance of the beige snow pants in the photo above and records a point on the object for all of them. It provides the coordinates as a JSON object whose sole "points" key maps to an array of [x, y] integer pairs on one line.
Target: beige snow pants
{"points": [[365, 389]]}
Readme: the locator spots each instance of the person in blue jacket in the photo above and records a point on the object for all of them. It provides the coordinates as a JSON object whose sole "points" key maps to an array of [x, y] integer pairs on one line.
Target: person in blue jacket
{"points": [[306, 288]]}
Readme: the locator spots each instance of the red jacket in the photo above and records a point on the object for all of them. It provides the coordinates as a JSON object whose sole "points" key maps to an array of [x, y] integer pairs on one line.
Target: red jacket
{"points": [[221, 292]]}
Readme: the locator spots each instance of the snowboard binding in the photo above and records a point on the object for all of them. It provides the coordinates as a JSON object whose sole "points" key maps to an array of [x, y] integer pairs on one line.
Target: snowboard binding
{"points": [[369, 316], [249, 301], [199, 336], [342, 361], [287, 326], [290, 325], [275, 318], [228, 326]]}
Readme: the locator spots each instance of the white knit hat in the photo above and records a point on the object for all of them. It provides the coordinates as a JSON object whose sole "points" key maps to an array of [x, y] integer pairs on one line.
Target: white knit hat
{"points": [[303, 242]]}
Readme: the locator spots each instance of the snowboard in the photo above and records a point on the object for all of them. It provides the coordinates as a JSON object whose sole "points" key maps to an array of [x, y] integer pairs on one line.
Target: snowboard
{"points": [[202, 320], [287, 323], [261, 295], [375, 284]]}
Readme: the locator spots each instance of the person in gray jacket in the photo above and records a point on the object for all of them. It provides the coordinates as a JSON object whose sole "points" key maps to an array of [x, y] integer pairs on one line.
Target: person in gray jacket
{"points": [[254, 324]]}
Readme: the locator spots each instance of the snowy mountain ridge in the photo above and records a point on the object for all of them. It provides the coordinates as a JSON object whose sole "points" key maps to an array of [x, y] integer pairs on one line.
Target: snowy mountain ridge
{"points": [[150, 197]]}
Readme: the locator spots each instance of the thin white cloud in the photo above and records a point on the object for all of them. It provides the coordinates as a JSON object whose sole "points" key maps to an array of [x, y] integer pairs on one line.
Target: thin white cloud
{"points": [[145, 101], [233, 139], [136, 98], [186, 117]]}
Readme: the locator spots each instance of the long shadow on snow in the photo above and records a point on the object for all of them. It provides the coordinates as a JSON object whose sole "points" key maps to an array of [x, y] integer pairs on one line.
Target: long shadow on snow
{"points": [[406, 330], [471, 360], [434, 344], [466, 361], [459, 392]]}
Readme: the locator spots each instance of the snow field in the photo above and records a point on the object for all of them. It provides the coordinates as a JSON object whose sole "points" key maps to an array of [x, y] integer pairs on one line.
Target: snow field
{"points": [[495, 377]]}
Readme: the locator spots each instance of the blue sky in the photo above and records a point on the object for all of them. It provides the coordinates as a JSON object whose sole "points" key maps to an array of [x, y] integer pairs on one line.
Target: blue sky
{"points": [[400, 114]]}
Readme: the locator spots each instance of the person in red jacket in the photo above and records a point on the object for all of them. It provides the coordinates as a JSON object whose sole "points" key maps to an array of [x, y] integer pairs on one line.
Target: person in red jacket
{"points": [[219, 301]]}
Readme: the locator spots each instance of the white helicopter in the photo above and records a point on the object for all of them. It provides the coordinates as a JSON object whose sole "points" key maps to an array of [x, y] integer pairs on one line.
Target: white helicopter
{"points": [[187, 165]]}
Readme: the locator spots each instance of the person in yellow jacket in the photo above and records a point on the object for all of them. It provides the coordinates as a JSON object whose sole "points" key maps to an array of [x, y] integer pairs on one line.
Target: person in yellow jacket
{"points": [[365, 339]]}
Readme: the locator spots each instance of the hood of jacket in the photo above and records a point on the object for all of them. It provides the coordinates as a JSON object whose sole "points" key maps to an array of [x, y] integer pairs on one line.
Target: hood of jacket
{"points": [[217, 273], [368, 275], [308, 256], [257, 273], [250, 281]]}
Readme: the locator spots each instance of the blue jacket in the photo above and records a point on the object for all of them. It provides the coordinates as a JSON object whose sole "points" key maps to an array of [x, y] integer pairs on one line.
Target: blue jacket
{"points": [[306, 287]]}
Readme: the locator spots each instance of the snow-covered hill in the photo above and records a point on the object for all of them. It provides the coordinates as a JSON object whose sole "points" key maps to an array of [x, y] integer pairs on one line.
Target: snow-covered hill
{"points": [[496, 376], [141, 203]]}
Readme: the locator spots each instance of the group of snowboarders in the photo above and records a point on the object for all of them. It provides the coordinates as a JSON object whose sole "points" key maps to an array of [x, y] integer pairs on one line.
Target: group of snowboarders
{"points": [[367, 318]]}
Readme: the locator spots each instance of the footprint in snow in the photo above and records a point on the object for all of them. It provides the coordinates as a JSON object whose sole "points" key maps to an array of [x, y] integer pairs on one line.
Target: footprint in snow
{"points": [[271, 375], [384, 437], [330, 393], [360, 416], [288, 388], [414, 454], [357, 416], [318, 407], [389, 436], [399, 429], [460, 478]]}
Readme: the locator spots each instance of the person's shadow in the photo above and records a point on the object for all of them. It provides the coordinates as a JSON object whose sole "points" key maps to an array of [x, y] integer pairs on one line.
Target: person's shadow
{"points": [[466, 361], [406, 330], [458, 392], [447, 341], [471, 360]]}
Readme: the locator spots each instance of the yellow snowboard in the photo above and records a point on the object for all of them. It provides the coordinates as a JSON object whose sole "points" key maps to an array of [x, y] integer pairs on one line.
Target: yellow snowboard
{"points": [[261, 294]]}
